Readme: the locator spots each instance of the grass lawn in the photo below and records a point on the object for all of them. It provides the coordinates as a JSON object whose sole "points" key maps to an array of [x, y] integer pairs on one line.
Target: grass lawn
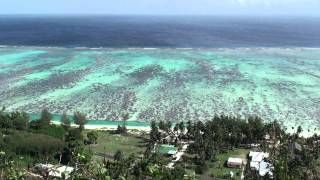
{"points": [[110, 143], [218, 168]]}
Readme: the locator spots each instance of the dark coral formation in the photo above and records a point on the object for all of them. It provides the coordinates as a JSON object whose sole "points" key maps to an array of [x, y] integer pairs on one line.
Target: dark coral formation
{"points": [[107, 83]]}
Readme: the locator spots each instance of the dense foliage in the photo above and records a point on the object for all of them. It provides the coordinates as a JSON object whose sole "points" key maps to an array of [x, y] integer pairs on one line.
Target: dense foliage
{"points": [[42, 141], [35, 145]]}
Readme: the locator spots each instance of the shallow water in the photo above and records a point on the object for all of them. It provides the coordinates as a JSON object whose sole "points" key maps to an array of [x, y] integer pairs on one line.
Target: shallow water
{"points": [[165, 84], [57, 118]]}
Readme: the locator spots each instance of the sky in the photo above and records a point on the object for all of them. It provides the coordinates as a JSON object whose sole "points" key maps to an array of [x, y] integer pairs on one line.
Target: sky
{"points": [[162, 7]]}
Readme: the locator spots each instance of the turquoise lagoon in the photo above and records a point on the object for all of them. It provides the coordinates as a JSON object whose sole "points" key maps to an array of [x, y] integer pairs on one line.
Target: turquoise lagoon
{"points": [[165, 84], [57, 117]]}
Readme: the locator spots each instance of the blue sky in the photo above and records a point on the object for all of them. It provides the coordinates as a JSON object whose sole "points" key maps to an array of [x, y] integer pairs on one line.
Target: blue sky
{"points": [[162, 7]]}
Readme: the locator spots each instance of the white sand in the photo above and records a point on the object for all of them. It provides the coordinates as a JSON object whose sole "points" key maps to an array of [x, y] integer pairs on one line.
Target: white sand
{"points": [[108, 127], [113, 127], [304, 133]]}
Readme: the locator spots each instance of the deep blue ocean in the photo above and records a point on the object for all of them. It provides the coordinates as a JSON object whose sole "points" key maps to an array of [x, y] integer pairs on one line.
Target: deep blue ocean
{"points": [[148, 31]]}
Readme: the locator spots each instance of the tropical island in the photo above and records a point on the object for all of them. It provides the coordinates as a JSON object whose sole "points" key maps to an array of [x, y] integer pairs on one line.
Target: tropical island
{"points": [[223, 147], [160, 90]]}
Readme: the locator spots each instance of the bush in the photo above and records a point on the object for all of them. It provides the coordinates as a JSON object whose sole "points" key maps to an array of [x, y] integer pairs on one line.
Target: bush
{"points": [[80, 119], [178, 172], [92, 137], [121, 129], [199, 169], [52, 130], [45, 118], [35, 145], [20, 120], [74, 135]]}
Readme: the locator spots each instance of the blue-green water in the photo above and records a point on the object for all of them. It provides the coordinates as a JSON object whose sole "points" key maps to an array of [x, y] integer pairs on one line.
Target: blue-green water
{"points": [[57, 118], [164, 84]]}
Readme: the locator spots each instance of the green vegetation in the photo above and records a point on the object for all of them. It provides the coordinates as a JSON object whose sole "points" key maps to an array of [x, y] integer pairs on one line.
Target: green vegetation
{"points": [[218, 167], [80, 119], [109, 143], [45, 119], [30, 144], [213, 141], [122, 129], [132, 155], [92, 137], [52, 130], [65, 121]]}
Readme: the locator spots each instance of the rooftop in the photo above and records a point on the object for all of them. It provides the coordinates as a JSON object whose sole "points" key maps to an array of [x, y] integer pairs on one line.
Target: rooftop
{"points": [[168, 149], [265, 168], [235, 160], [55, 170], [258, 156]]}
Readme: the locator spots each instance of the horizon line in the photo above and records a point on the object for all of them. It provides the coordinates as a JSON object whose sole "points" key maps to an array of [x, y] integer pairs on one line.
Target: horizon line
{"points": [[162, 15]]}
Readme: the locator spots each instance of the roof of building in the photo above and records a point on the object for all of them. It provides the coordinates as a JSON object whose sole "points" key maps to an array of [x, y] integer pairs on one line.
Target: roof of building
{"points": [[43, 166], [168, 149], [55, 170], [297, 146], [258, 156], [265, 168], [172, 152], [254, 164], [235, 160]]}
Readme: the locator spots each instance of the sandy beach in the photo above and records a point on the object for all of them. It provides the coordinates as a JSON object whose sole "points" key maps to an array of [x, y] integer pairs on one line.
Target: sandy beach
{"points": [[304, 133], [111, 127], [108, 127]]}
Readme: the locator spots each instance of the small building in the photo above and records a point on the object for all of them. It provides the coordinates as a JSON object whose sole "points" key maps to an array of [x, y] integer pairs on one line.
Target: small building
{"points": [[234, 162], [254, 165], [54, 171], [259, 164], [58, 171], [296, 147], [170, 150], [256, 158], [265, 168], [295, 150]]}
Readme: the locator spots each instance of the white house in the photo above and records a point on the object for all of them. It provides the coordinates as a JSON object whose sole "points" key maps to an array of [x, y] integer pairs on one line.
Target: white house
{"points": [[53, 170], [258, 156], [57, 172], [234, 162], [258, 163], [265, 168]]}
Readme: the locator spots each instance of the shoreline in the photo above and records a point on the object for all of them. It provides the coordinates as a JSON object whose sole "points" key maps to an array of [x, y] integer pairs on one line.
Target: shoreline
{"points": [[162, 48], [112, 127], [107, 127], [146, 125], [304, 133]]}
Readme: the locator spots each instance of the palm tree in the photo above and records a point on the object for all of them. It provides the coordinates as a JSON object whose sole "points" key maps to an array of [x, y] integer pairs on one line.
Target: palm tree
{"points": [[80, 119], [181, 127], [162, 125], [118, 156], [65, 121], [45, 118], [125, 118]]}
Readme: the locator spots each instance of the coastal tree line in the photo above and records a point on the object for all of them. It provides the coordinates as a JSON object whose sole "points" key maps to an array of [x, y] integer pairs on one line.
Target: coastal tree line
{"points": [[224, 133], [40, 141]]}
